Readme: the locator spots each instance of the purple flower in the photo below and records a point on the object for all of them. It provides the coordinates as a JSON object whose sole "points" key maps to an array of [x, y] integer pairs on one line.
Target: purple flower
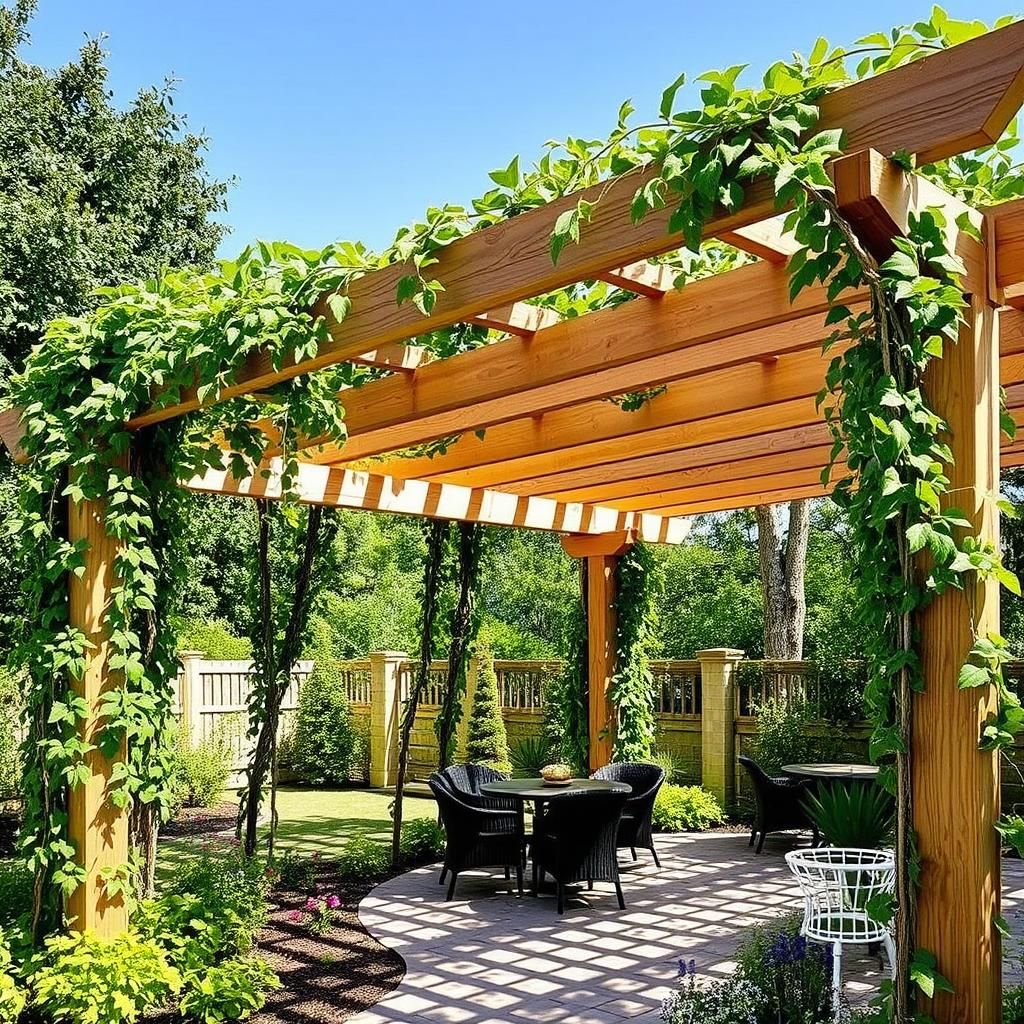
{"points": [[312, 904], [295, 916], [333, 903]]}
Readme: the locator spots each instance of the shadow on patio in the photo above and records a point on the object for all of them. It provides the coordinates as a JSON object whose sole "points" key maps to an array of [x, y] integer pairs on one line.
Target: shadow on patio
{"points": [[489, 957]]}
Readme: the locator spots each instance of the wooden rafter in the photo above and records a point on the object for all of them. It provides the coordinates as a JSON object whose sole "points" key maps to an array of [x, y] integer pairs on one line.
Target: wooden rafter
{"points": [[1006, 253], [978, 86], [637, 345], [343, 488]]}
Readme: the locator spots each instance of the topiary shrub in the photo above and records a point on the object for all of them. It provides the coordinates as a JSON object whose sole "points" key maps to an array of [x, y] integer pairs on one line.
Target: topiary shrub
{"points": [[486, 739], [363, 859], [685, 809], [422, 841], [325, 746]]}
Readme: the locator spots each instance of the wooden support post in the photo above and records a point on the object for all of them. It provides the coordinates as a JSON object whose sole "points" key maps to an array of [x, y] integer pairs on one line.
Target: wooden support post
{"points": [[956, 786], [97, 829], [602, 554], [385, 712]]}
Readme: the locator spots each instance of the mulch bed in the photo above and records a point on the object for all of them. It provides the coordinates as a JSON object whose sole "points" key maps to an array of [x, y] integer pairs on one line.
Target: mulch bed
{"points": [[201, 821], [326, 978]]}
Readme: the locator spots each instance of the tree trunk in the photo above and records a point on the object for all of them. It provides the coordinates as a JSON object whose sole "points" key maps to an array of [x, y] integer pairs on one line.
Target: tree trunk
{"points": [[275, 666], [783, 562], [470, 547], [431, 586]]}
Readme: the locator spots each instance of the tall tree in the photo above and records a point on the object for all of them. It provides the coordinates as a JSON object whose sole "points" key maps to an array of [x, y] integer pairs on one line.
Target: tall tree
{"points": [[90, 195], [782, 551]]}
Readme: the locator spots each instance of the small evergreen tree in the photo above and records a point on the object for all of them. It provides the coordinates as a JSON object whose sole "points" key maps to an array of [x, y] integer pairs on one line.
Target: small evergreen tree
{"points": [[486, 739], [324, 747]]}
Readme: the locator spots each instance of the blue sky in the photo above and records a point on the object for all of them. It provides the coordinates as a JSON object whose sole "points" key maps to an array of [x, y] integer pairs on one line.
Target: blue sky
{"points": [[346, 119]]}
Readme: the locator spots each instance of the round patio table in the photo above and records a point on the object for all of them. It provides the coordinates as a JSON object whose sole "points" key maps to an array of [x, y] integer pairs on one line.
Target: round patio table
{"points": [[832, 772], [523, 790]]}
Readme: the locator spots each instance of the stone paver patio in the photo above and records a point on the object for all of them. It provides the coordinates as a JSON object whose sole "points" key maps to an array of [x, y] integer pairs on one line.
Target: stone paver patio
{"points": [[488, 957]]}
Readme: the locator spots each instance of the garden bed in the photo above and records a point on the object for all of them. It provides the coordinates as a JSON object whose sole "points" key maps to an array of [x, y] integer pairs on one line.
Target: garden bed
{"points": [[329, 977]]}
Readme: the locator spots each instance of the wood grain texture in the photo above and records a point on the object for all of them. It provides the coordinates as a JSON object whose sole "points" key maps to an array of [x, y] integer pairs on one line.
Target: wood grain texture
{"points": [[946, 103], [1006, 231], [635, 346], [601, 659], [96, 828], [955, 785]]}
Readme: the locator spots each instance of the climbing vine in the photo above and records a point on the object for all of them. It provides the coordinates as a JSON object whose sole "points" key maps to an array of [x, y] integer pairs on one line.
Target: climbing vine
{"points": [[148, 344], [637, 585]]}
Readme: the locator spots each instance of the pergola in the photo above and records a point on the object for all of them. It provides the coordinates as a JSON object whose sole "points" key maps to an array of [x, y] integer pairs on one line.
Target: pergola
{"points": [[737, 425]]}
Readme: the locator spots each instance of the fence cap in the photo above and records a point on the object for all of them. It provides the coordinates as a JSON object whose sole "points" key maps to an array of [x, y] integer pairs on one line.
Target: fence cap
{"points": [[182, 655], [399, 655], [720, 654]]}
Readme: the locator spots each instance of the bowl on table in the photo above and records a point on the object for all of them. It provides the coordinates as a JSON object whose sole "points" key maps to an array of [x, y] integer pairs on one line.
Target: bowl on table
{"points": [[556, 774]]}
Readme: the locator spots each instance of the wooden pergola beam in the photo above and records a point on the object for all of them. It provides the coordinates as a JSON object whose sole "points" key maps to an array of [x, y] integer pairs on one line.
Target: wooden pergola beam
{"points": [[766, 240], [978, 86], [1006, 252], [652, 280], [520, 319], [345, 488], [640, 344], [394, 356]]}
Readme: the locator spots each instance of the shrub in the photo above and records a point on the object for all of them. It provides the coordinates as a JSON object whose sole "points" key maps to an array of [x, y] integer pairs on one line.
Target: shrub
{"points": [[200, 772], [857, 814], [10, 711], [295, 871], [12, 995], [15, 890], [794, 976], [214, 639], [363, 858], [782, 735], [227, 884], [1013, 1005], [531, 754], [231, 990], [422, 841], [83, 979], [685, 809], [324, 745], [672, 764], [486, 740]]}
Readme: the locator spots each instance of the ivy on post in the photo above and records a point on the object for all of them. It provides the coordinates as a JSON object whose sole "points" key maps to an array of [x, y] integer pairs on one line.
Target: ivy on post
{"points": [[601, 552]]}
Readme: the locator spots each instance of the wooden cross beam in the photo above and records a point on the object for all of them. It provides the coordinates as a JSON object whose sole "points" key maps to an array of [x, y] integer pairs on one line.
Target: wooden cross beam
{"points": [[944, 104]]}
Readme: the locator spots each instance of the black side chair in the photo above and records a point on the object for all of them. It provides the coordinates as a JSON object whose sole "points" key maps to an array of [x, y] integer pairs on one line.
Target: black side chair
{"points": [[465, 780], [574, 841], [779, 804], [476, 837], [635, 828]]}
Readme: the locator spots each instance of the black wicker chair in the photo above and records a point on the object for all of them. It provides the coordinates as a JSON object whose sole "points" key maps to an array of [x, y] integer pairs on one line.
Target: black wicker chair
{"points": [[465, 780], [779, 804], [574, 841], [476, 837], [635, 827]]}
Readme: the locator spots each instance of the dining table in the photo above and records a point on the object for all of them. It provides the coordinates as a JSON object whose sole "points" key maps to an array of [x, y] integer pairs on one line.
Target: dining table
{"points": [[539, 792]]}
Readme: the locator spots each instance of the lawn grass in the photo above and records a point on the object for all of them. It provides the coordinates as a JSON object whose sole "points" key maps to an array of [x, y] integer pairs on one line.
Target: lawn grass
{"points": [[311, 821]]}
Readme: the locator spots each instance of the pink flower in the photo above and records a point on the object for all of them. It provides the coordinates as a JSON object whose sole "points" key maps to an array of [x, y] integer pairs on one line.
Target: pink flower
{"points": [[333, 903], [312, 904], [295, 916]]}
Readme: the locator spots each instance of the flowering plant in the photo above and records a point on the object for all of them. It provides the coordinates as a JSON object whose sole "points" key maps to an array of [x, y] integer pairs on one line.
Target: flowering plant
{"points": [[318, 914]]}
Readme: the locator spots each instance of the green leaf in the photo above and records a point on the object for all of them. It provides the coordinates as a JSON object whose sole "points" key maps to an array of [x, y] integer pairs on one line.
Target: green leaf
{"points": [[668, 97]]}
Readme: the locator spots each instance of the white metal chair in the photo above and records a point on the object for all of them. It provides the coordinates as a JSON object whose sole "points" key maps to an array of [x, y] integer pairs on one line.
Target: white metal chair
{"points": [[837, 884]]}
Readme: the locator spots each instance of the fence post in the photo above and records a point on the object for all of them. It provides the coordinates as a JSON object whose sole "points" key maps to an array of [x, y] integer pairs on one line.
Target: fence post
{"points": [[385, 710], [718, 713], [462, 730], [190, 696]]}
